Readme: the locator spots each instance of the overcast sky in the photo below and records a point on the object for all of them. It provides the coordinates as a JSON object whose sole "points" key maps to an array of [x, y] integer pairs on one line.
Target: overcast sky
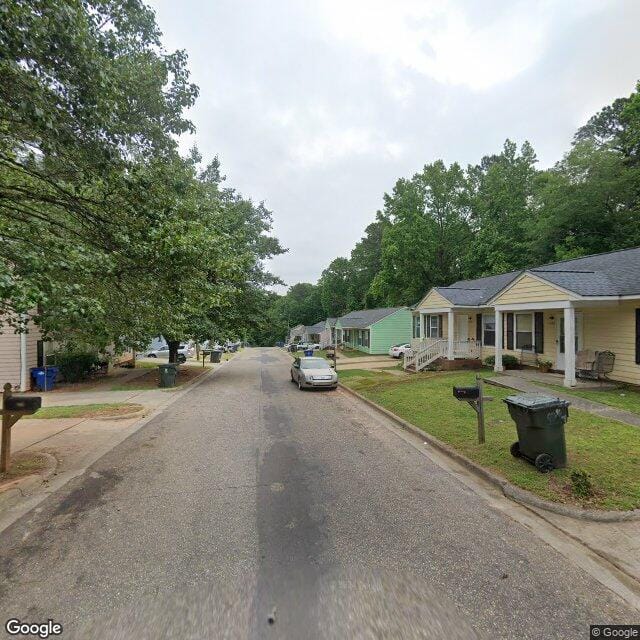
{"points": [[317, 107]]}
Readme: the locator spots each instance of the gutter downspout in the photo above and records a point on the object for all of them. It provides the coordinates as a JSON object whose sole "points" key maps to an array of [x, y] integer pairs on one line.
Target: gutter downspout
{"points": [[24, 373]]}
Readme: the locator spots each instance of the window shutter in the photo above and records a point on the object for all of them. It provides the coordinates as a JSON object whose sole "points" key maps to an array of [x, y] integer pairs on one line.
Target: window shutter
{"points": [[539, 331], [440, 326], [637, 336], [510, 331], [479, 327]]}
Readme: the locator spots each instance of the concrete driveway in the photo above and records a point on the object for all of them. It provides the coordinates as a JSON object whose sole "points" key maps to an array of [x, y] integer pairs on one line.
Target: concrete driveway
{"points": [[253, 510]]}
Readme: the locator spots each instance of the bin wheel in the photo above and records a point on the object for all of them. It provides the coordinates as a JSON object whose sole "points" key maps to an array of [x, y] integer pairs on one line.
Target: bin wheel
{"points": [[515, 450], [544, 463]]}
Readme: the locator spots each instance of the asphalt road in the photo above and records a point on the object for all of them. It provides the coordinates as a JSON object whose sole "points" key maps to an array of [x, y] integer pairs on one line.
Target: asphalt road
{"points": [[249, 509]]}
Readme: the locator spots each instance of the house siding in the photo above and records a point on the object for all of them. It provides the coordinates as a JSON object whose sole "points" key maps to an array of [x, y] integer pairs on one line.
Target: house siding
{"points": [[434, 300], [393, 329], [613, 329], [529, 289], [10, 354]]}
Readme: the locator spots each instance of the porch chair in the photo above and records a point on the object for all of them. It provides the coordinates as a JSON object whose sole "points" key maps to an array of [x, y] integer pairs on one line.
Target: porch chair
{"points": [[594, 365]]}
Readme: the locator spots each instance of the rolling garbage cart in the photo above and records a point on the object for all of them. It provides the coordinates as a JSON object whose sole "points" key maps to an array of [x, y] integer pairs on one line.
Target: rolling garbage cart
{"points": [[540, 421]]}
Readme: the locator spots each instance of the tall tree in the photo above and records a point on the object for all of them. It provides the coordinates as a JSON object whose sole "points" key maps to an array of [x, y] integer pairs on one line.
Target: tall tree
{"points": [[334, 287]]}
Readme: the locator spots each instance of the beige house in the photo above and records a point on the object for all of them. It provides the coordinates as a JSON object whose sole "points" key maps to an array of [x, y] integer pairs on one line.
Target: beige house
{"points": [[556, 312], [19, 352]]}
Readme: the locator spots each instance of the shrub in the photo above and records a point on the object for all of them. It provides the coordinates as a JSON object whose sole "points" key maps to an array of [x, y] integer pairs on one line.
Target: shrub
{"points": [[581, 484], [508, 362], [75, 366]]}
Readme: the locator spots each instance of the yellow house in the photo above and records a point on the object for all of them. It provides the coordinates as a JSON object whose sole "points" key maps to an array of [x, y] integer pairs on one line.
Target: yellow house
{"points": [[550, 313]]}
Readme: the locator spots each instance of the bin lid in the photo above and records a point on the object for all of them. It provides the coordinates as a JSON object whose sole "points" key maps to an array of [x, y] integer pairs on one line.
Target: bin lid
{"points": [[535, 401]]}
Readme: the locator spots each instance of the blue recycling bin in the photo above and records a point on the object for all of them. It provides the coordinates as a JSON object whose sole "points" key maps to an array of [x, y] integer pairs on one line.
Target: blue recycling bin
{"points": [[308, 352], [44, 378]]}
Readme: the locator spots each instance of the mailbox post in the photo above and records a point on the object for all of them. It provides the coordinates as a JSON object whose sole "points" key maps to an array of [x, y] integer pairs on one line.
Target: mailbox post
{"points": [[13, 408], [475, 397]]}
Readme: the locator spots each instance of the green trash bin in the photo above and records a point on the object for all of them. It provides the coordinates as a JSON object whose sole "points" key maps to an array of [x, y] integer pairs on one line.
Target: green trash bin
{"points": [[215, 355], [168, 373], [540, 421]]}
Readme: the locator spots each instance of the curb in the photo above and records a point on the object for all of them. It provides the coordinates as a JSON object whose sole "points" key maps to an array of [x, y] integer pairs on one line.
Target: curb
{"points": [[509, 490], [13, 494]]}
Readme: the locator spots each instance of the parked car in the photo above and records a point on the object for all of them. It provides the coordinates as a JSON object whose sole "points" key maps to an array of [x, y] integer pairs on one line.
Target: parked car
{"points": [[398, 350], [313, 372], [315, 346], [163, 352]]}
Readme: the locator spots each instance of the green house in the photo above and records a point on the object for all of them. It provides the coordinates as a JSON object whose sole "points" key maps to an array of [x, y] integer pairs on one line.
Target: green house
{"points": [[375, 330]]}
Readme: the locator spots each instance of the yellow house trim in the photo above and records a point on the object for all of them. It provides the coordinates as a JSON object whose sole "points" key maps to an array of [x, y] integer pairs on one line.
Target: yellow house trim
{"points": [[434, 300], [528, 287]]}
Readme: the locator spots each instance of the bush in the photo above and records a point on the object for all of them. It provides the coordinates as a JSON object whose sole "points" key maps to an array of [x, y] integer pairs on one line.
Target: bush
{"points": [[508, 362], [581, 484], [75, 366]]}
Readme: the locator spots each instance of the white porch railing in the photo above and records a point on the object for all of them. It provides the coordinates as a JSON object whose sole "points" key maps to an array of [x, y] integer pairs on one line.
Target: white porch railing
{"points": [[424, 352]]}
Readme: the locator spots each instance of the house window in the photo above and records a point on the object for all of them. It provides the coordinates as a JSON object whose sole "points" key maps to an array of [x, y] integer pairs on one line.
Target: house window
{"points": [[489, 330], [524, 331], [416, 326], [365, 338], [433, 327]]}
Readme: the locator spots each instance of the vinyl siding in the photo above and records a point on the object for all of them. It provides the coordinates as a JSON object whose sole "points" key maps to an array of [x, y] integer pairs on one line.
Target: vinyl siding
{"points": [[529, 289], [614, 329], [434, 300], [10, 354], [393, 329]]}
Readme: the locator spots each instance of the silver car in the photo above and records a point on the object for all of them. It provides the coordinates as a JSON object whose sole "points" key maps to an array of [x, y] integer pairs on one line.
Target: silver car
{"points": [[313, 372]]}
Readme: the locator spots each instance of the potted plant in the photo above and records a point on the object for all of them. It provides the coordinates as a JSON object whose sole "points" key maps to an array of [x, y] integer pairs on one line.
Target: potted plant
{"points": [[544, 365]]}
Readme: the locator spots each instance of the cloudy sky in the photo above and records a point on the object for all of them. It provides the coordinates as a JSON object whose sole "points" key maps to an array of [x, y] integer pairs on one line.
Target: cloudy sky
{"points": [[318, 106]]}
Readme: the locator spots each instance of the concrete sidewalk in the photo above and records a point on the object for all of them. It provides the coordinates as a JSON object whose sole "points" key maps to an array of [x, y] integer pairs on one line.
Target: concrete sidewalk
{"points": [[596, 408]]}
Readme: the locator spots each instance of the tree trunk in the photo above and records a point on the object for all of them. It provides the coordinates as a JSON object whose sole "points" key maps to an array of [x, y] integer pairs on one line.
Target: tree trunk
{"points": [[173, 350]]}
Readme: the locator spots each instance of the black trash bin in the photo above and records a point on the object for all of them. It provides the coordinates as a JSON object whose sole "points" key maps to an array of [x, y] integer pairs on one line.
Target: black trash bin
{"points": [[540, 421], [168, 373], [215, 355]]}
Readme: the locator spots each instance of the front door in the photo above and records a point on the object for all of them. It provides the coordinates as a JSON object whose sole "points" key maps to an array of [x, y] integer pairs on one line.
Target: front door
{"points": [[461, 336], [560, 340]]}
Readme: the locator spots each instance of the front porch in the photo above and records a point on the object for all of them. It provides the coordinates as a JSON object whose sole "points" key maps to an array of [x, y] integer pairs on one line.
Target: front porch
{"points": [[563, 336]]}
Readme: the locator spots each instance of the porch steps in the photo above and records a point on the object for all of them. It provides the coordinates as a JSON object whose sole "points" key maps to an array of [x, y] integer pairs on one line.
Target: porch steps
{"points": [[595, 408]]}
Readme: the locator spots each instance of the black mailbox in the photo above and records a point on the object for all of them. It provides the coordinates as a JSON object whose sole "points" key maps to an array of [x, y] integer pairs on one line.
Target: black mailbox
{"points": [[25, 405], [466, 393]]}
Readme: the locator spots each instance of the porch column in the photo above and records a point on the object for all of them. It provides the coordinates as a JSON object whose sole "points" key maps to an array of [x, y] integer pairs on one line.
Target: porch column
{"points": [[569, 347], [498, 349], [450, 353], [423, 325]]}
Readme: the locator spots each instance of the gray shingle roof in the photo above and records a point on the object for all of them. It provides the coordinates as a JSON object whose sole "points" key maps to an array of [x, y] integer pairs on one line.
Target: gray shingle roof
{"points": [[475, 293], [365, 317], [318, 327], [331, 321], [616, 273]]}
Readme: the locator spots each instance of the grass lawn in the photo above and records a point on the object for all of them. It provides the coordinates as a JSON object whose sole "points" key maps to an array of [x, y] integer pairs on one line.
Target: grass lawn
{"points": [[608, 451], [87, 410], [621, 397], [353, 353]]}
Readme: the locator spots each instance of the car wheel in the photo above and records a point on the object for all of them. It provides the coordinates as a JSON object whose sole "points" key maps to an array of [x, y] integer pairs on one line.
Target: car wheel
{"points": [[335, 386], [152, 355]]}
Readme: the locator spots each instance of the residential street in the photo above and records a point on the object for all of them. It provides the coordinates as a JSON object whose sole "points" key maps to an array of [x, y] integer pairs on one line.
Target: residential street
{"points": [[250, 509]]}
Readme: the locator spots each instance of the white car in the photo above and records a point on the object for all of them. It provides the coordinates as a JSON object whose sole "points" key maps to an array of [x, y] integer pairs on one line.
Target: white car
{"points": [[398, 350], [313, 372], [163, 351]]}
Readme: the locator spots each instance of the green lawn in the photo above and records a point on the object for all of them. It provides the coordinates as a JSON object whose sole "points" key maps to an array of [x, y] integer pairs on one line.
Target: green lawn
{"points": [[608, 451], [87, 410], [621, 398]]}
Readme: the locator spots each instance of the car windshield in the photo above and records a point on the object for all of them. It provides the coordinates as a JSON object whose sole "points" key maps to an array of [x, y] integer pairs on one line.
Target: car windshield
{"points": [[314, 363]]}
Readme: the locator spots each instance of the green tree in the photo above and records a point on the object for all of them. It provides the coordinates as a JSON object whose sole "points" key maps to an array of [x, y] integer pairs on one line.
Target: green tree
{"points": [[334, 287]]}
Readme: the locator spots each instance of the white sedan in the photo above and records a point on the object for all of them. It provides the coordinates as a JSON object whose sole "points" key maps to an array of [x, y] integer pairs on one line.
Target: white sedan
{"points": [[313, 372], [398, 350]]}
